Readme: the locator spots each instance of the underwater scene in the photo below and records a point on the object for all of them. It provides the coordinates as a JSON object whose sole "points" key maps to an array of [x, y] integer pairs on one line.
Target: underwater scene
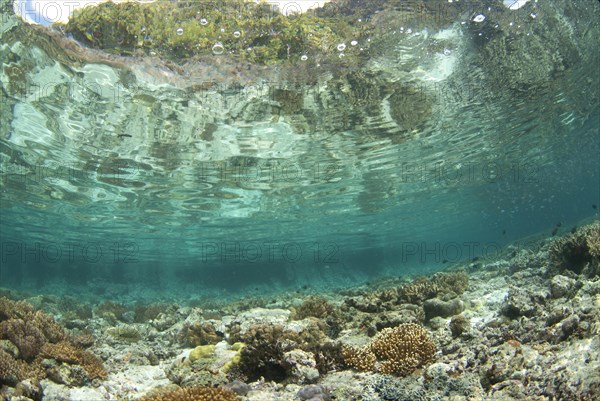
{"points": [[240, 200]]}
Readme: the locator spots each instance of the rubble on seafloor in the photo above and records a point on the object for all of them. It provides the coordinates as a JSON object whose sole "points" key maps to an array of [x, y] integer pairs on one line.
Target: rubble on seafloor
{"points": [[521, 327]]}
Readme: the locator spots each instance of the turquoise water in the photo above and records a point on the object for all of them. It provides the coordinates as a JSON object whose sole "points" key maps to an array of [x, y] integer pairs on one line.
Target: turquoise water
{"points": [[445, 144]]}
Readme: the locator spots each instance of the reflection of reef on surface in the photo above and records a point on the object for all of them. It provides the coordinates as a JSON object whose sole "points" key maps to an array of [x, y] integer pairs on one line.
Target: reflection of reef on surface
{"points": [[255, 32]]}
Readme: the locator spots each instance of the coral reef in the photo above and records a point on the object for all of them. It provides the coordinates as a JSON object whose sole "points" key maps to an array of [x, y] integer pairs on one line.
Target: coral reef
{"points": [[193, 394], [398, 351]]}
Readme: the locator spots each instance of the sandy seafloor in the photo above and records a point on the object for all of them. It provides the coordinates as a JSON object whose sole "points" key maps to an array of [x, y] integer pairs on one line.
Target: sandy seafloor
{"points": [[525, 327]]}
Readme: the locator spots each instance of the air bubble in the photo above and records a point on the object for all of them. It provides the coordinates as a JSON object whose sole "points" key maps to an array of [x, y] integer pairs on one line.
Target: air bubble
{"points": [[218, 48], [341, 47], [479, 18], [354, 43], [304, 57], [203, 21], [237, 34], [179, 31], [341, 55]]}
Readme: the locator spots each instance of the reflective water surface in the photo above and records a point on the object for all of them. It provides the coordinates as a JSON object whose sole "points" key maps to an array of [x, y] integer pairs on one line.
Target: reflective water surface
{"points": [[441, 134]]}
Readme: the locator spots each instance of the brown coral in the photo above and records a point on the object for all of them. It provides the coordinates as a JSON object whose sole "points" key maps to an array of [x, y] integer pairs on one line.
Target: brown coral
{"points": [[36, 336], [14, 370], [422, 289], [403, 349], [25, 334], [193, 394], [359, 358], [66, 352], [418, 291], [399, 351]]}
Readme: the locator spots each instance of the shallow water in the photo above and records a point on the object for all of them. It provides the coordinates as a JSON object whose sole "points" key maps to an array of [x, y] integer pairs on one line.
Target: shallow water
{"points": [[452, 133]]}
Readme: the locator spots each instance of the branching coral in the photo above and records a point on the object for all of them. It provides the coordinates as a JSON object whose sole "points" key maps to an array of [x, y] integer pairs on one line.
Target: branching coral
{"points": [[359, 358], [66, 352], [399, 351], [193, 394], [14, 370], [25, 334], [403, 349], [423, 288], [37, 336], [418, 291]]}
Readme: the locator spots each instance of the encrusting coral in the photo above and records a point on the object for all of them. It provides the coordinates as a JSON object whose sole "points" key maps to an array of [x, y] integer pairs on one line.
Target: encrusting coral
{"points": [[398, 351], [193, 394]]}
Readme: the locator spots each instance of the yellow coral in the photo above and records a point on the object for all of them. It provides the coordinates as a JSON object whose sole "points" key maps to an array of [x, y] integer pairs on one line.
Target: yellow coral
{"points": [[202, 351]]}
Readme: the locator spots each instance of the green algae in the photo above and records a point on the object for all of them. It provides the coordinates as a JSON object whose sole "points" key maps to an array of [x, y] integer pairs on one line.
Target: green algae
{"points": [[254, 32]]}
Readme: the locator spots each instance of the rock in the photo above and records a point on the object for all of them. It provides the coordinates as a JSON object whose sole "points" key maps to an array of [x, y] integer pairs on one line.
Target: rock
{"points": [[71, 375], [304, 366], [561, 286], [313, 393], [437, 307], [459, 324], [520, 302], [9, 348], [29, 388], [238, 387]]}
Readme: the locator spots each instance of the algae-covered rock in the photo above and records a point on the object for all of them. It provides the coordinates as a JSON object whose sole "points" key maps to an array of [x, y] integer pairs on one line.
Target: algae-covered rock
{"points": [[256, 32]]}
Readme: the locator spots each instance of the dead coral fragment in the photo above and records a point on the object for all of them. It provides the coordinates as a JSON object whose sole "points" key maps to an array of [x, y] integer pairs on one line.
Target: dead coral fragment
{"points": [[578, 249], [193, 394], [398, 351]]}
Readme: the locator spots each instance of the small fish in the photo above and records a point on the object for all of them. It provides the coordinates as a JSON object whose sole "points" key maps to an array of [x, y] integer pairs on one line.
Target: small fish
{"points": [[594, 207], [554, 231], [475, 259], [558, 224], [573, 230], [124, 136], [503, 232], [445, 261]]}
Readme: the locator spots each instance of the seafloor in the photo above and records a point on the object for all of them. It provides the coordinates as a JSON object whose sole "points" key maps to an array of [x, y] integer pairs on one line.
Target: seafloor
{"points": [[523, 326]]}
